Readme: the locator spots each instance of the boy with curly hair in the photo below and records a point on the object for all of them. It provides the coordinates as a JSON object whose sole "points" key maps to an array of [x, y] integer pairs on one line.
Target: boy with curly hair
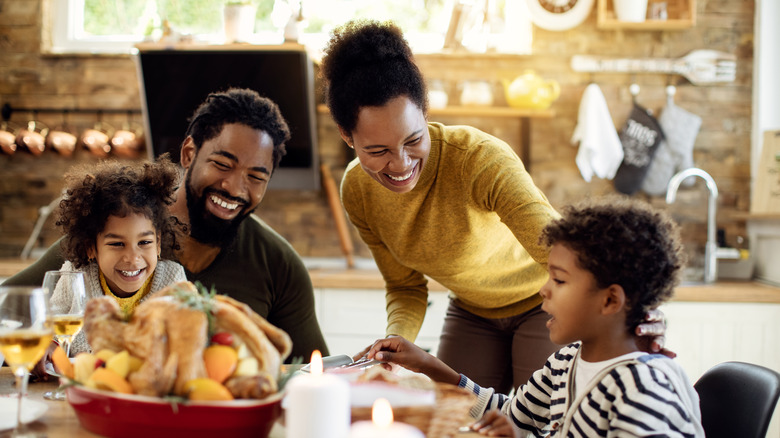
{"points": [[610, 262], [116, 223]]}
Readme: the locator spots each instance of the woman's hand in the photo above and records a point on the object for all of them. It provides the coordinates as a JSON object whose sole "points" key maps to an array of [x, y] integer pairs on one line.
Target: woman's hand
{"points": [[493, 423], [650, 334]]}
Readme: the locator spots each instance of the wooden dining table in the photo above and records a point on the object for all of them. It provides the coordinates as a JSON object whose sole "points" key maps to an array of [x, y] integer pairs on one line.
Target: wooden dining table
{"points": [[60, 421]]}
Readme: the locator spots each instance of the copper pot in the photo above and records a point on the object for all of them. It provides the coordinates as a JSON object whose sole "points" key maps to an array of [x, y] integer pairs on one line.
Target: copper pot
{"points": [[98, 139], [7, 138], [33, 137], [127, 143], [62, 141]]}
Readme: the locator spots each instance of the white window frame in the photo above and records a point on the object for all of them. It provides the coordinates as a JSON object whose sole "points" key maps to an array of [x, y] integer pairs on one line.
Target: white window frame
{"points": [[64, 34]]}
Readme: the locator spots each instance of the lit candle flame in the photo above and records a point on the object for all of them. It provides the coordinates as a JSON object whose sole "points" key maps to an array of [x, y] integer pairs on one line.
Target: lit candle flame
{"points": [[382, 413], [316, 363]]}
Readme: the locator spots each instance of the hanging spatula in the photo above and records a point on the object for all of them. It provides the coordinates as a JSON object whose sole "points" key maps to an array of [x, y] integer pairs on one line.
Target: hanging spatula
{"points": [[701, 67]]}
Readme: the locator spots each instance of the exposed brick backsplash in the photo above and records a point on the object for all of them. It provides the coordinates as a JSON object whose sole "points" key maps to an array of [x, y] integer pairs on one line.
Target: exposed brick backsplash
{"points": [[722, 148]]}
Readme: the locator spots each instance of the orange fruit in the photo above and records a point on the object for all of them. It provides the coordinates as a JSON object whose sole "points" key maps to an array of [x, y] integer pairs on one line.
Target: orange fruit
{"points": [[61, 362], [220, 361], [105, 378], [203, 388]]}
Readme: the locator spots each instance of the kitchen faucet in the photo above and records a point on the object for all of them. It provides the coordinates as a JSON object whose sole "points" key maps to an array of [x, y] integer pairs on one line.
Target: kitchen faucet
{"points": [[711, 248]]}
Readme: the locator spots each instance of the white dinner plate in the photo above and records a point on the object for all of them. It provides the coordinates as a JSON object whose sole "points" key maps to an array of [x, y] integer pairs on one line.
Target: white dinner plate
{"points": [[31, 411]]}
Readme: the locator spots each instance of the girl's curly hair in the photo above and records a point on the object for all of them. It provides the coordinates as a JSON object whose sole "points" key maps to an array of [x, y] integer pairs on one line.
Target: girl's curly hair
{"points": [[623, 242], [111, 188], [367, 63]]}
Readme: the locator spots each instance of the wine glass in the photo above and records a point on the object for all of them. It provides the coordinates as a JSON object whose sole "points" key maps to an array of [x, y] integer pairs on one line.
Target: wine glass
{"points": [[25, 334], [66, 291]]}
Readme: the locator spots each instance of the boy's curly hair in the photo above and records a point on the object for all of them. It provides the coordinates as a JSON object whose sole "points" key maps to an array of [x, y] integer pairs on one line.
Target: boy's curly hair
{"points": [[623, 242], [111, 188], [367, 63], [244, 106]]}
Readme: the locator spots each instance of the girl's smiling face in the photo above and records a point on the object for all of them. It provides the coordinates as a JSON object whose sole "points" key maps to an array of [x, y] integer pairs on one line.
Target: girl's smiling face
{"points": [[126, 252]]}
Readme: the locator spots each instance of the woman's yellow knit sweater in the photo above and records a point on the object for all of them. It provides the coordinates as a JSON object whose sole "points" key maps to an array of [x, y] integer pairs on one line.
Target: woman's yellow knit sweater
{"points": [[472, 223]]}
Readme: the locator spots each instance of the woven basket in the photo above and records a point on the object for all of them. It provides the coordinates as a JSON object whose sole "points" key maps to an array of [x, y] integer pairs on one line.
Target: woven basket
{"points": [[441, 420]]}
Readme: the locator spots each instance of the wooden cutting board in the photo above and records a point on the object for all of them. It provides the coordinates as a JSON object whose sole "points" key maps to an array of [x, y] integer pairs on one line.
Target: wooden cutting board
{"points": [[766, 194]]}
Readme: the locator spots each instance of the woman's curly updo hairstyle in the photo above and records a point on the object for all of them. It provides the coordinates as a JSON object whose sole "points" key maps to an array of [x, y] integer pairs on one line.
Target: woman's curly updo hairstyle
{"points": [[623, 242], [244, 106], [110, 188], [368, 63]]}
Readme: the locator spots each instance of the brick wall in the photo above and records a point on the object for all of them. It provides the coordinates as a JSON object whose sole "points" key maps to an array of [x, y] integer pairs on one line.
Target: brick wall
{"points": [[722, 148]]}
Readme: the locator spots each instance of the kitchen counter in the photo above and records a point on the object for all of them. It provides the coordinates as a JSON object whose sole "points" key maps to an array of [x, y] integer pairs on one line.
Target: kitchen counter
{"points": [[721, 291], [9, 267], [355, 279], [334, 277]]}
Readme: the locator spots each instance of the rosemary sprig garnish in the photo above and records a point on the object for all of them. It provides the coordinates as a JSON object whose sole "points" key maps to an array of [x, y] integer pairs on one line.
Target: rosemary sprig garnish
{"points": [[175, 401], [284, 378], [202, 301]]}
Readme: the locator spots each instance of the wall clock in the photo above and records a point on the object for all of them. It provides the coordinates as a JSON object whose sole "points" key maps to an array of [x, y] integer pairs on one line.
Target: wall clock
{"points": [[559, 14]]}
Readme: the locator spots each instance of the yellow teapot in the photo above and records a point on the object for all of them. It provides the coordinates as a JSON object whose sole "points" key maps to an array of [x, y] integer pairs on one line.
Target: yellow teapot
{"points": [[529, 90]]}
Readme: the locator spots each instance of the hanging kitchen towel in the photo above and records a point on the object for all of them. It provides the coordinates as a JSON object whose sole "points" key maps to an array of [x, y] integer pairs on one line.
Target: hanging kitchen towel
{"points": [[640, 136], [680, 128], [600, 151]]}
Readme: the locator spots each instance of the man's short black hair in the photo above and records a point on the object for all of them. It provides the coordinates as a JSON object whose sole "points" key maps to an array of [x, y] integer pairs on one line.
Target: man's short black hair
{"points": [[244, 106]]}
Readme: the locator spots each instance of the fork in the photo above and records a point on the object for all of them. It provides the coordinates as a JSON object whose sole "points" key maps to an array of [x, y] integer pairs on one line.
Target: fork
{"points": [[700, 67]]}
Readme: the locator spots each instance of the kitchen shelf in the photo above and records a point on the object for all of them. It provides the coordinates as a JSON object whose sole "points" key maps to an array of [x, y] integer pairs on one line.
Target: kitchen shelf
{"points": [[523, 114], [490, 111], [681, 15], [479, 111]]}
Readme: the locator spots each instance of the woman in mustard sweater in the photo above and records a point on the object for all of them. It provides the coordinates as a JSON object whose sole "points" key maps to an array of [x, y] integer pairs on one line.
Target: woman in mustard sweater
{"points": [[448, 202]]}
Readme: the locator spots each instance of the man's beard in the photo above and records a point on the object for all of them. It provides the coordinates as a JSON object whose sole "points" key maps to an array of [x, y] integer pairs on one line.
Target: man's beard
{"points": [[204, 226]]}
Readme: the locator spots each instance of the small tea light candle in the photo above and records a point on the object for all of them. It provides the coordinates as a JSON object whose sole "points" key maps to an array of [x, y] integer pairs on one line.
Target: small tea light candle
{"points": [[382, 425], [317, 404]]}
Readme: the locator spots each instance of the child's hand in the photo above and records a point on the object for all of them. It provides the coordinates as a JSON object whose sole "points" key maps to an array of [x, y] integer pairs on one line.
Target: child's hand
{"points": [[399, 351], [494, 423]]}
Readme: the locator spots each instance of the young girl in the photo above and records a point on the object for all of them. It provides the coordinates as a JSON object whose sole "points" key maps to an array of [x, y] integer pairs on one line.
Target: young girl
{"points": [[116, 224]]}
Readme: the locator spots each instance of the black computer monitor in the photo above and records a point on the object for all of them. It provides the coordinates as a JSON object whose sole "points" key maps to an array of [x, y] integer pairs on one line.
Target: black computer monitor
{"points": [[175, 82]]}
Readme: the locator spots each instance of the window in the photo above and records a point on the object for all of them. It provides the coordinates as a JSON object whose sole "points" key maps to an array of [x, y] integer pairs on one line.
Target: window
{"points": [[114, 26]]}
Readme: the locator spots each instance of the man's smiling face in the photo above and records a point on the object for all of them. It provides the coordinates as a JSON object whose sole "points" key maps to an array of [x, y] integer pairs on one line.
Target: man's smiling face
{"points": [[226, 179]]}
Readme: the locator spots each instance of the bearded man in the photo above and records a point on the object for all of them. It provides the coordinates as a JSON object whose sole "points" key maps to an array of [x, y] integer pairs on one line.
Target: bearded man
{"points": [[235, 140]]}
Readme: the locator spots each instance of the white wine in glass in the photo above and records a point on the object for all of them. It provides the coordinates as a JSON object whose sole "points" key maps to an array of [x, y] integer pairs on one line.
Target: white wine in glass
{"points": [[66, 291], [66, 327], [67, 297], [25, 335]]}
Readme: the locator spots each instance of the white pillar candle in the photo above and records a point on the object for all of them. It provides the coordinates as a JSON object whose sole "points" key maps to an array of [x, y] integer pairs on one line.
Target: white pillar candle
{"points": [[382, 425], [317, 404]]}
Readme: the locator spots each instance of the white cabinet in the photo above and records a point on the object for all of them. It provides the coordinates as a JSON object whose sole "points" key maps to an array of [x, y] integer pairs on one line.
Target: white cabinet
{"points": [[351, 319], [704, 334]]}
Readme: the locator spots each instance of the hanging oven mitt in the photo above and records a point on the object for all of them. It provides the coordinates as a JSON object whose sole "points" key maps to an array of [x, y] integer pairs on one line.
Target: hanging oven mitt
{"points": [[676, 153], [640, 136]]}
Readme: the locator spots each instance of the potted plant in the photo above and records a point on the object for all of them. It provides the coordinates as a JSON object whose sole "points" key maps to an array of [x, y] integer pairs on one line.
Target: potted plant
{"points": [[239, 21]]}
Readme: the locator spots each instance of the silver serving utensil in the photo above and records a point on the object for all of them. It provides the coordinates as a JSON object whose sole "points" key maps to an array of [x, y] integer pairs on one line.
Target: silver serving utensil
{"points": [[342, 362], [701, 67], [360, 364]]}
